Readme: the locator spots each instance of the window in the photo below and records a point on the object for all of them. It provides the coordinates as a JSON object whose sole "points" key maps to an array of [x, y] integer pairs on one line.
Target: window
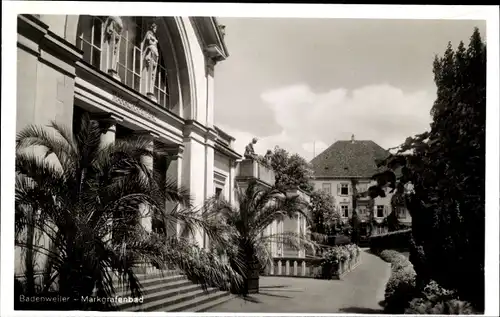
{"points": [[89, 39], [344, 189], [129, 65], [327, 188], [345, 211], [218, 192], [129, 55], [380, 211]]}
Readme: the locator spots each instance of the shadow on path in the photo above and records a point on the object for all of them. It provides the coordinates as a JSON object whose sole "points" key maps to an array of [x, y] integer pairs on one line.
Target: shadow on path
{"points": [[254, 299], [360, 310]]}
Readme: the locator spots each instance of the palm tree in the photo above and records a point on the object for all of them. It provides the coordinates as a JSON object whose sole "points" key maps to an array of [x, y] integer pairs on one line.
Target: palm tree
{"points": [[85, 200], [245, 241]]}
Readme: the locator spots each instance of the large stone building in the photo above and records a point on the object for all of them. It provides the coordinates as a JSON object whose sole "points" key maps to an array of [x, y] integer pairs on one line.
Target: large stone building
{"points": [[151, 76], [349, 162], [147, 76]]}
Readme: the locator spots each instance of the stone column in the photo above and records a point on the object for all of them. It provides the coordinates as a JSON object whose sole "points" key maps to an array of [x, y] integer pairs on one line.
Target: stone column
{"points": [[209, 174], [232, 184], [174, 171], [107, 123], [144, 210], [210, 65]]}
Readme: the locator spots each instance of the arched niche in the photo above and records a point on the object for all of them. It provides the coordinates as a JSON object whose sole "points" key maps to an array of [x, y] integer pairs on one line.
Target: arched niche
{"points": [[175, 50]]}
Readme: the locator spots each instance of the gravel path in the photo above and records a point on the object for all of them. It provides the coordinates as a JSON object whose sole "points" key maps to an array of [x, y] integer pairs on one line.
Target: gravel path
{"points": [[360, 291]]}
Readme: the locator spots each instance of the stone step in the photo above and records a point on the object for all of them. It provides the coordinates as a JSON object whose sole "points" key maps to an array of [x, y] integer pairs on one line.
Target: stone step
{"points": [[159, 286], [162, 295], [153, 282], [164, 301], [201, 303], [201, 308]]}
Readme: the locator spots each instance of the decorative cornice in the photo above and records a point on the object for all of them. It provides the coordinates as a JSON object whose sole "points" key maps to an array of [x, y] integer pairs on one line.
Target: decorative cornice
{"points": [[142, 105], [51, 49], [221, 147], [223, 134], [62, 48], [107, 117], [146, 134], [211, 134], [218, 176], [211, 38], [193, 126], [244, 179], [175, 152], [32, 31]]}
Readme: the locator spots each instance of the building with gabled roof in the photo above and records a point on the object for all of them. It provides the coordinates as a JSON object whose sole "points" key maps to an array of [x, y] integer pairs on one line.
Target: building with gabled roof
{"points": [[348, 162]]}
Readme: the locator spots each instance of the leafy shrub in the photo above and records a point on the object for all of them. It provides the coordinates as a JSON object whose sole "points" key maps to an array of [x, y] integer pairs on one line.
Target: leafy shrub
{"points": [[332, 257], [389, 255], [341, 240], [400, 289], [392, 240], [439, 301]]}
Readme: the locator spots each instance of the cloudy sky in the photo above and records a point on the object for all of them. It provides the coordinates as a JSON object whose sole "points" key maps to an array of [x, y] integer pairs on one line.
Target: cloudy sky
{"points": [[295, 82]]}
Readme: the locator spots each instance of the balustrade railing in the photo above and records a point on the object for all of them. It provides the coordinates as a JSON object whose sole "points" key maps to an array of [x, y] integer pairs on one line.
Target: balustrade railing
{"points": [[254, 169], [309, 267]]}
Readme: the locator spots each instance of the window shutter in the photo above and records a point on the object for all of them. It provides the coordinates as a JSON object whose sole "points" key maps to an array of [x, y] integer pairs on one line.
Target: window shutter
{"points": [[386, 211], [338, 189]]}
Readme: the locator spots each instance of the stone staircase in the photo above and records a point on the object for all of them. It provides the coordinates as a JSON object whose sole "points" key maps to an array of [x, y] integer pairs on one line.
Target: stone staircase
{"points": [[173, 292]]}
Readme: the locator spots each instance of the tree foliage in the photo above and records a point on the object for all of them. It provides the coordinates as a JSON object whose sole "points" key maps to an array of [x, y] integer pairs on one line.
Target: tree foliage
{"points": [[243, 226], [325, 217], [446, 170], [85, 200], [291, 170]]}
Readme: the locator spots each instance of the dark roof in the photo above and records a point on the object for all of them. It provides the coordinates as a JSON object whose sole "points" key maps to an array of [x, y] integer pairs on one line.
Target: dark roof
{"points": [[349, 158]]}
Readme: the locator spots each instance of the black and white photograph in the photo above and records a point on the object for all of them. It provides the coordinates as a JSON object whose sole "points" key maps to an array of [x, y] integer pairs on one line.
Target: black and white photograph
{"points": [[249, 158]]}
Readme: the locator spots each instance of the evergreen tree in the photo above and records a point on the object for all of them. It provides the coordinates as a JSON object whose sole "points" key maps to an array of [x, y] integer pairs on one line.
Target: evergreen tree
{"points": [[446, 169]]}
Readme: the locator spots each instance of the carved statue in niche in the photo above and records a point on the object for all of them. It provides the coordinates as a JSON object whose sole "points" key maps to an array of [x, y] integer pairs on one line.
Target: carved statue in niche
{"points": [[150, 57], [113, 27]]}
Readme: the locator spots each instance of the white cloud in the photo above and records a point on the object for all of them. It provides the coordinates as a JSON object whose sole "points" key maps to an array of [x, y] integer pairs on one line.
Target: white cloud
{"points": [[382, 113]]}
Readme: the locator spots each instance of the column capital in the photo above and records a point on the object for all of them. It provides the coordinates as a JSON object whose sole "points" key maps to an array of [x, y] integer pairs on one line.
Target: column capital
{"points": [[107, 117], [175, 151], [146, 134]]}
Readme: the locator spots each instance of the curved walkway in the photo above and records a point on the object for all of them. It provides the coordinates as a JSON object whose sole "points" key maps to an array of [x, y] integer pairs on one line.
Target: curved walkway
{"points": [[360, 291]]}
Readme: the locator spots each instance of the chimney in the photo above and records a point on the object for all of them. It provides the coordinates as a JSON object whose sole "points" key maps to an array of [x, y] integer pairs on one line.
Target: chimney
{"points": [[352, 138]]}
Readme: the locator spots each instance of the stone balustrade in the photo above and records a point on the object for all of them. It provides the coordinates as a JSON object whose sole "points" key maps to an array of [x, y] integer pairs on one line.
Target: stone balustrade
{"points": [[308, 267], [253, 169]]}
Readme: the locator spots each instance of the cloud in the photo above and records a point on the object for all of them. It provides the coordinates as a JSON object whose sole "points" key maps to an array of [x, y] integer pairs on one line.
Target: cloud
{"points": [[382, 113]]}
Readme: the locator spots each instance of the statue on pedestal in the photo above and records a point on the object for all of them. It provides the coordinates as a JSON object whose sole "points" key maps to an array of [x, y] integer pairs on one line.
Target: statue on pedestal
{"points": [[268, 158], [249, 150], [150, 55], [113, 27]]}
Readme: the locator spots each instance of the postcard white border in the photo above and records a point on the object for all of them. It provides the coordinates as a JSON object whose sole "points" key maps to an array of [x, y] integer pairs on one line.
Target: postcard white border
{"points": [[9, 39]]}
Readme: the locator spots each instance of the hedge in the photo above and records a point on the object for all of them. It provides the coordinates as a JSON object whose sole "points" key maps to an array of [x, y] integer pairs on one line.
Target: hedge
{"points": [[435, 300], [392, 240], [400, 289], [402, 296]]}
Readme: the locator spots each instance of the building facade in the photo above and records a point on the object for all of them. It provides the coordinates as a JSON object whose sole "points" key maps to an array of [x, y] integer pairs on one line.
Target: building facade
{"points": [[138, 76], [144, 76], [353, 163]]}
